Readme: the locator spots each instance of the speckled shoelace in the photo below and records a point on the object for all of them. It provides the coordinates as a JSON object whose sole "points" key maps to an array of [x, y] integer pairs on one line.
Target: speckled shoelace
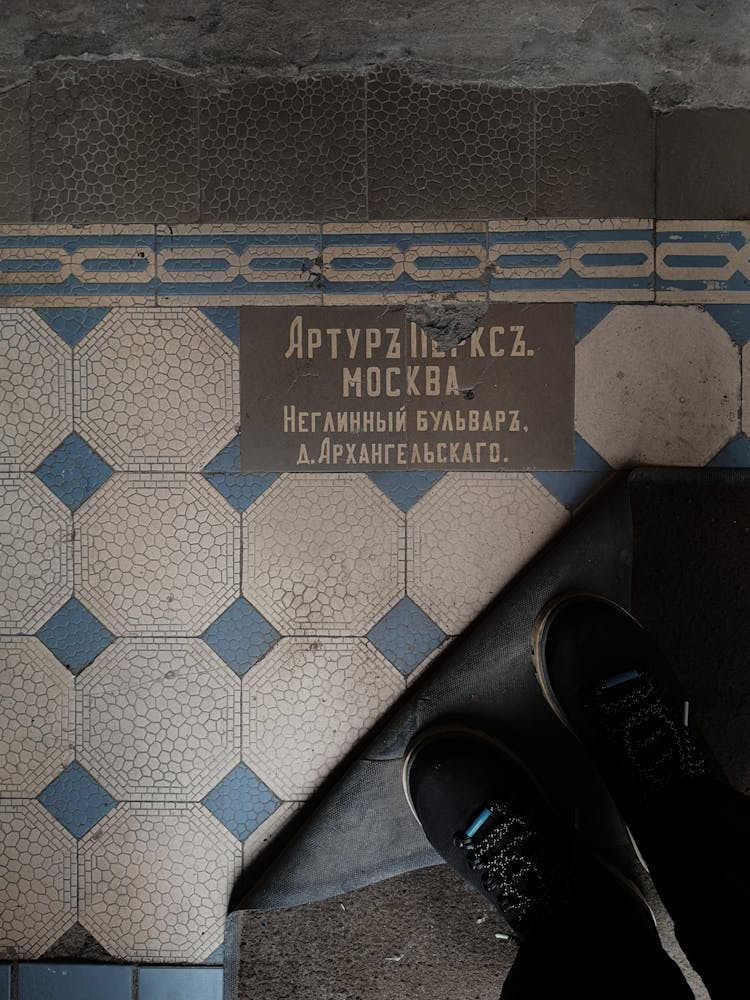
{"points": [[648, 748], [513, 863]]}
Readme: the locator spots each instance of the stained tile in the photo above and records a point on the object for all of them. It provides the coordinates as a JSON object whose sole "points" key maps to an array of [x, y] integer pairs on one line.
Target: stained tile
{"points": [[571, 260], [448, 150], [284, 149], [241, 636], [76, 800], [657, 385], [37, 716], [36, 576], [323, 554], [113, 141], [241, 802], [406, 635], [594, 152], [73, 471], [73, 982], [70, 323], [156, 983], [158, 719], [38, 889], [735, 319], [734, 455], [157, 389], [36, 400], [306, 705], [450, 526], [703, 163], [155, 882], [15, 166], [157, 555], [405, 488], [74, 635]]}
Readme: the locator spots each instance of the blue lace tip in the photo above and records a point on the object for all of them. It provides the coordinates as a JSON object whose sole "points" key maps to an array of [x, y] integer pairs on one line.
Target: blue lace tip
{"points": [[629, 675], [478, 822]]}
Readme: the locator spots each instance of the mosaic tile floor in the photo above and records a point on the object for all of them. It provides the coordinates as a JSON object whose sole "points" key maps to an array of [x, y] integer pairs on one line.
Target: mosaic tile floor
{"points": [[188, 649]]}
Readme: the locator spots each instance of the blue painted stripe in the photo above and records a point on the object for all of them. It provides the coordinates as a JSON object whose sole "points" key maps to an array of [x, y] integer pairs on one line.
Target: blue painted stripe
{"points": [[571, 237], [237, 243], [171, 983], [629, 675], [403, 241], [66, 981], [478, 822]]}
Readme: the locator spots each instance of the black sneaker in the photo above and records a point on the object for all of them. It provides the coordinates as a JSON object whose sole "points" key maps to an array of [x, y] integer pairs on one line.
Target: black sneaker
{"points": [[606, 679], [485, 814]]}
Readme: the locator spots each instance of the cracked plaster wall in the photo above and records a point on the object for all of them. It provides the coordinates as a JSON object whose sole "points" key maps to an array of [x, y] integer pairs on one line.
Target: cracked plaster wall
{"points": [[681, 52]]}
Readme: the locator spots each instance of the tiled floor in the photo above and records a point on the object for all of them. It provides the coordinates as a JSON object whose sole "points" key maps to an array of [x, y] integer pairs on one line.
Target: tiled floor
{"points": [[188, 649]]}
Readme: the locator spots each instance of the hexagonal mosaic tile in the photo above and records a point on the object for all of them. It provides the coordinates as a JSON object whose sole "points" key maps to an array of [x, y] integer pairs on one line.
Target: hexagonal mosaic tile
{"points": [[323, 555], [36, 575], [307, 703], [157, 555], [158, 719], [157, 389], [657, 385], [36, 399], [155, 882], [37, 716], [470, 535], [38, 887]]}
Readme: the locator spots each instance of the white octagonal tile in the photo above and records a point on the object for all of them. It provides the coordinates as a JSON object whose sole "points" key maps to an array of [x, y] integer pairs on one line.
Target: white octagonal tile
{"points": [[37, 716], [36, 574], [36, 391], [157, 555], [657, 385], [470, 535], [323, 555], [158, 719], [307, 703], [157, 389]]}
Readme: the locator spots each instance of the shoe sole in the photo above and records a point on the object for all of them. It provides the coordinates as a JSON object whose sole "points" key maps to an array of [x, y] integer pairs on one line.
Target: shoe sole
{"points": [[439, 730], [540, 670]]}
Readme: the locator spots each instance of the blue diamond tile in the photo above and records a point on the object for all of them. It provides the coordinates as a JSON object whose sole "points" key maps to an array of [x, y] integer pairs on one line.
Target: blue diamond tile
{"points": [[734, 319], [241, 490], [406, 635], [586, 459], [241, 636], [405, 488], [72, 324], [73, 471], [74, 635], [735, 455], [228, 459], [572, 488], [76, 800], [216, 957], [587, 315], [227, 318], [241, 802], [63, 981]]}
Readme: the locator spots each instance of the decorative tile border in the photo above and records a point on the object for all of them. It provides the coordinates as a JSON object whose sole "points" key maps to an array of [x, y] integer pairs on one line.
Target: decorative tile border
{"points": [[703, 262]]}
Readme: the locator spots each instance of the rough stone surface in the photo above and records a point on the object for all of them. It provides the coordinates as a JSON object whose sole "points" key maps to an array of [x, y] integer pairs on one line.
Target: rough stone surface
{"points": [[692, 53]]}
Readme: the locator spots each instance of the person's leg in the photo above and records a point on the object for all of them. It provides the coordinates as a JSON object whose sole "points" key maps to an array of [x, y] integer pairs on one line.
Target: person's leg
{"points": [[584, 930], [609, 683]]}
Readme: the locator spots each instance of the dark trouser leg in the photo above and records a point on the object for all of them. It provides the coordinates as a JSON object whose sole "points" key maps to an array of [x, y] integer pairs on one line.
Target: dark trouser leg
{"points": [[696, 842], [592, 961]]}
